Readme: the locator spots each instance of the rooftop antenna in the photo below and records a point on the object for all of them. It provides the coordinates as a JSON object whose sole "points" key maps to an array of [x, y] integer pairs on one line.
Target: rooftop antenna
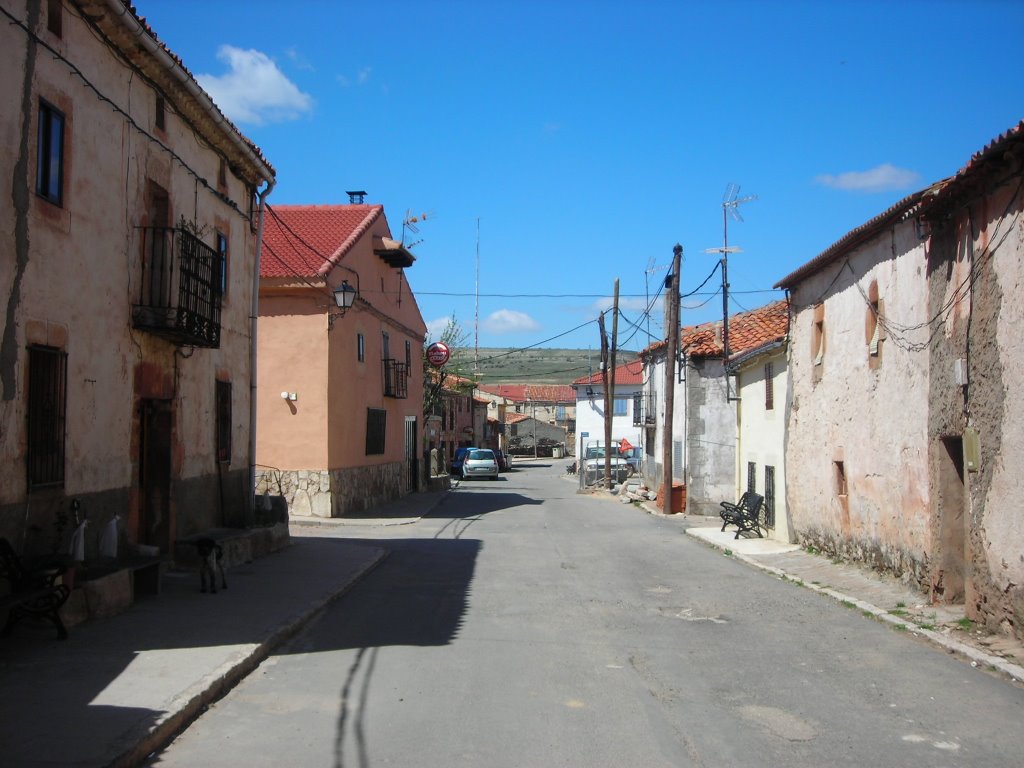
{"points": [[731, 202], [409, 224]]}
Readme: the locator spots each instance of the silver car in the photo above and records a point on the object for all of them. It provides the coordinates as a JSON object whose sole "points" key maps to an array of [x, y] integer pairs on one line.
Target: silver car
{"points": [[480, 462]]}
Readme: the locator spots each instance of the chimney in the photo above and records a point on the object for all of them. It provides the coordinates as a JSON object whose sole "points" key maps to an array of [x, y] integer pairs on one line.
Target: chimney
{"points": [[357, 197]]}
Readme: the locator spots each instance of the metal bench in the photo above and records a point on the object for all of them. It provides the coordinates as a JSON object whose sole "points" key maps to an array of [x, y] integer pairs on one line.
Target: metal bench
{"points": [[32, 592], [746, 515]]}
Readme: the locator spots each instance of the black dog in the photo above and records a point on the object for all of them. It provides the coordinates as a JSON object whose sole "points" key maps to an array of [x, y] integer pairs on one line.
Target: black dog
{"points": [[210, 555]]}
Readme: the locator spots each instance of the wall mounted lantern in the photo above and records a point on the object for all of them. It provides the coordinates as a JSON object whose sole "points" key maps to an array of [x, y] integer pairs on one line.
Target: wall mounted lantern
{"points": [[344, 297]]}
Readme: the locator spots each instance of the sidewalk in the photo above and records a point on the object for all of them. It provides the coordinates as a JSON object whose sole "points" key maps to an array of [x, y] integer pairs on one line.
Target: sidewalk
{"points": [[120, 688], [876, 595]]}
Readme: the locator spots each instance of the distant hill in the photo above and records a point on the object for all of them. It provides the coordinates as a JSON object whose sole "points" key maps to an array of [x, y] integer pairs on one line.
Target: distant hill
{"points": [[531, 366]]}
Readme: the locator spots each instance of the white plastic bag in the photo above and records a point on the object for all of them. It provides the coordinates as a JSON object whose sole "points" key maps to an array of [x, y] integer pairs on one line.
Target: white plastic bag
{"points": [[109, 538], [77, 548]]}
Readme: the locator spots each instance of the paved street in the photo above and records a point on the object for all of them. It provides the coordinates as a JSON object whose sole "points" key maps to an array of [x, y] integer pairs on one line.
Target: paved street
{"points": [[523, 625]]}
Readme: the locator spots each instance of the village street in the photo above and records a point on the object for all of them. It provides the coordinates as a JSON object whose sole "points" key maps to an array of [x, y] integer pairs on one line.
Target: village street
{"points": [[521, 624]]}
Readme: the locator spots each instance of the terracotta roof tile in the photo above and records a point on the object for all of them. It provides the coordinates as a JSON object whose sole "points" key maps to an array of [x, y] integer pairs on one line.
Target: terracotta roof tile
{"points": [[541, 393], [747, 331], [630, 373], [307, 240]]}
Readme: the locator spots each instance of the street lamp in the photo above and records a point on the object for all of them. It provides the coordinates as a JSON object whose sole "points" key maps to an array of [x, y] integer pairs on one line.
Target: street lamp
{"points": [[344, 297]]}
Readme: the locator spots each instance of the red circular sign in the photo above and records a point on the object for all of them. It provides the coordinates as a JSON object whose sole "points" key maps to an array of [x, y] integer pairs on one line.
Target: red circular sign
{"points": [[438, 354]]}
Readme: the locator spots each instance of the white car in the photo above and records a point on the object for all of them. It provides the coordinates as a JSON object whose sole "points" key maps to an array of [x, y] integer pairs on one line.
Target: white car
{"points": [[479, 462]]}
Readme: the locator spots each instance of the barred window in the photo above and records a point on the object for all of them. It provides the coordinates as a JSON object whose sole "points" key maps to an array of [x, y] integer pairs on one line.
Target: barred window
{"points": [[769, 496], [769, 387], [752, 476], [47, 415], [223, 397], [376, 423]]}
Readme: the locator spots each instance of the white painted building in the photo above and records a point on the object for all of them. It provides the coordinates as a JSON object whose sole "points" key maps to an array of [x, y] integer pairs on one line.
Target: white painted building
{"points": [[590, 408]]}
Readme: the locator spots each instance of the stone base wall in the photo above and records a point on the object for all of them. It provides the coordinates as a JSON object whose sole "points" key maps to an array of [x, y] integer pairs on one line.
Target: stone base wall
{"points": [[908, 567], [335, 493]]}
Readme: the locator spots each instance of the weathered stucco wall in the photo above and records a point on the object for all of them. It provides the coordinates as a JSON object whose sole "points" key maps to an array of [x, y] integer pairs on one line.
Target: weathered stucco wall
{"points": [[711, 440], [977, 270], [76, 273], [859, 423]]}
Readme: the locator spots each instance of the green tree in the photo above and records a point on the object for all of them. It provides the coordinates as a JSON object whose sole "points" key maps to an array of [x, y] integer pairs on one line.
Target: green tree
{"points": [[434, 379]]}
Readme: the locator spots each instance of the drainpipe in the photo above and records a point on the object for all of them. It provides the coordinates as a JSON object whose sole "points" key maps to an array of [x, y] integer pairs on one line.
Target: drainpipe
{"points": [[250, 499]]}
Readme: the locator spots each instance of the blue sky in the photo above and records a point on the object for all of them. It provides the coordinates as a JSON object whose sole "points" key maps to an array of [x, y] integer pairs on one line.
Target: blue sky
{"points": [[588, 138]]}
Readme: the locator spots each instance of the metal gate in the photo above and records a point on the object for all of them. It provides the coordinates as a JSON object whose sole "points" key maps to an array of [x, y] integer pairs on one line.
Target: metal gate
{"points": [[412, 456]]}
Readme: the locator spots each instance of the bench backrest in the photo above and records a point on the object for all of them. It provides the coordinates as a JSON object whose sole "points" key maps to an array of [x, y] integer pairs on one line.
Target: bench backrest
{"points": [[752, 502]]}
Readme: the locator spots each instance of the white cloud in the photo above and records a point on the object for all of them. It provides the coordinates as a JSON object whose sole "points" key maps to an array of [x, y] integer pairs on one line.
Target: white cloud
{"points": [[254, 90], [510, 321], [883, 178], [435, 328], [362, 78]]}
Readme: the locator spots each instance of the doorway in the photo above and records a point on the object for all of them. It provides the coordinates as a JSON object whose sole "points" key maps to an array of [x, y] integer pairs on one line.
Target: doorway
{"points": [[950, 579], [155, 474]]}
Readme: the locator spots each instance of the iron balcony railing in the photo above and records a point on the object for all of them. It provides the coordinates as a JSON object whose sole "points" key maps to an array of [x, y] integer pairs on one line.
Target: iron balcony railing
{"points": [[180, 292], [644, 409], [396, 379]]}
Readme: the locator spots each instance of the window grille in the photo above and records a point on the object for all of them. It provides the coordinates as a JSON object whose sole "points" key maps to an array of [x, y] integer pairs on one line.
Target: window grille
{"points": [[47, 415], [752, 477], [769, 496], [769, 387]]}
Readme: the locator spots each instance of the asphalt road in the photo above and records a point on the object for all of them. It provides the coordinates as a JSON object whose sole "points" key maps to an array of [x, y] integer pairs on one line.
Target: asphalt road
{"points": [[523, 625]]}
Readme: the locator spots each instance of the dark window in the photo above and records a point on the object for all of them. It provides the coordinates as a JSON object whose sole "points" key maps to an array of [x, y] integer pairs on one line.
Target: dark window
{"points": [[376, 422], [408, 356], [224, 421], [386, 346], [840, 470], [50, 154], [161, 113], [769, 387], [752, 476], [361, 347], [55, 17], [222, 263], [222, 174], [47, 404], [769, 496]]}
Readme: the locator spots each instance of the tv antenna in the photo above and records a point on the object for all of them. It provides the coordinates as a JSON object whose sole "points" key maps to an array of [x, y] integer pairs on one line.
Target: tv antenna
{"points": [[731, 202], [410, 222]]}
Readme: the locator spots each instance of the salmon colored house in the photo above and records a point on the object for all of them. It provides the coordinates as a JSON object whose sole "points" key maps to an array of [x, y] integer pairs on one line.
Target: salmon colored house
{"points": [[340, 390]]}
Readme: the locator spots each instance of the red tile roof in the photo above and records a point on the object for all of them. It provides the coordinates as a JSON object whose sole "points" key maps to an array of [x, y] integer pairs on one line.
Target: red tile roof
{"points": [[540, 393], [307, 240], [747, 331], [630, 373], [515, 418]]}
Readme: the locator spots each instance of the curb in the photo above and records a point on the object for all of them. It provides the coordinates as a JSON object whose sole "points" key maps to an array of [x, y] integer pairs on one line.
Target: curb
{"points": [[195, 700], [977, 658]]}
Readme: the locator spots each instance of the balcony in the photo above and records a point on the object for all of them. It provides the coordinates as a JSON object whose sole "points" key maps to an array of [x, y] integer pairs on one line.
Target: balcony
{"points": [[644, 410], [180, 291], [396, 379]]}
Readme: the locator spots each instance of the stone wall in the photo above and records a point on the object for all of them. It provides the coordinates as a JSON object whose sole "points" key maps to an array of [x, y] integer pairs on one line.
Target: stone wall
{"points": [[335, 493]]}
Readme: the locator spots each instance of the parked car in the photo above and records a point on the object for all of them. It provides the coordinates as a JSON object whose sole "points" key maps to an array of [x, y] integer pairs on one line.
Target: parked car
{"points": [[479, 462], [593, 464], [460, 455], [504, 461]]}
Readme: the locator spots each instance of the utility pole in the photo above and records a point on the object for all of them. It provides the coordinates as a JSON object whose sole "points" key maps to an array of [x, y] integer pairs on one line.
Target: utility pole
{"points": [[605, 396], [609, 413], [671, 353]]}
